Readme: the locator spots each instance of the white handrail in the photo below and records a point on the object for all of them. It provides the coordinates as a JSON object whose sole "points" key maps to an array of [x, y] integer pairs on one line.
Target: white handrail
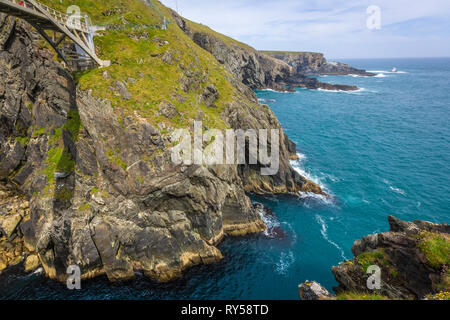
{"points": [[79, 24]]}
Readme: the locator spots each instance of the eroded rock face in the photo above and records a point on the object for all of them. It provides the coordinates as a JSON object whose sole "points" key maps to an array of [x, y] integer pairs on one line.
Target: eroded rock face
{"points": [[14, 209], [104, 194], [313, 63], [406, 269]]}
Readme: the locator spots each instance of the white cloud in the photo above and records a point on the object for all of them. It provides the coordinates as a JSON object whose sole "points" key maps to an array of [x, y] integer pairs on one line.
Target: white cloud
{"points": [[336, 27]]}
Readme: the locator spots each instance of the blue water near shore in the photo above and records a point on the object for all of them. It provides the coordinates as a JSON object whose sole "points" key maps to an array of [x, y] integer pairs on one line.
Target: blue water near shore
{"points": [[382, 150]]}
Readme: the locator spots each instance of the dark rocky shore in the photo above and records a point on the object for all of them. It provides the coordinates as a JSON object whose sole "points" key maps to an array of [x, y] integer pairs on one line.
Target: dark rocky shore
{"points": [[414, 259], [315, 64]]}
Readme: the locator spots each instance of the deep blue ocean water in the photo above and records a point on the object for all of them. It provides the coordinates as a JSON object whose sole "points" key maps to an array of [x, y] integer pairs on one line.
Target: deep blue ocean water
{"points": [[379, 151]]}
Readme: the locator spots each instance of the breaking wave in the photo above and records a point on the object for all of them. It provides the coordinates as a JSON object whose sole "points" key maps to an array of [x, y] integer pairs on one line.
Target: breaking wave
{"points": [[299, 167], [270, 221], [358, 91], [385, 71], [267, 100]]}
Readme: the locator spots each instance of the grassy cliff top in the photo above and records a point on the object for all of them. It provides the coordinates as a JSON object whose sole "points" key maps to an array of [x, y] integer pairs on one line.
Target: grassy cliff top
{"points": [[198, 27], [152, 63]]}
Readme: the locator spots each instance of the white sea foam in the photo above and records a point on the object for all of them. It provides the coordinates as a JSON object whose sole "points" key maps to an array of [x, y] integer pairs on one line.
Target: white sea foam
{"points": [[398, 190], [381, 75], [299, 167], [314, 196], [358, 76], [266, 100], [385, 71], [324, 232], [301, 157], [358, 91], [271, 90], [270, 221], [327, 90], [393, 188], [286, 260]]}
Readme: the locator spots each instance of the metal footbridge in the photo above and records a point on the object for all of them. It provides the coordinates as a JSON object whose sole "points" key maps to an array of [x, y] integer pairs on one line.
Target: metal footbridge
{"points": [[45, 20]]}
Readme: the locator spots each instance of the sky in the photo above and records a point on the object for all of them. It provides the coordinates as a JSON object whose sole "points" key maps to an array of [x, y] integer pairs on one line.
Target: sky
{"points": [[337, 28]]}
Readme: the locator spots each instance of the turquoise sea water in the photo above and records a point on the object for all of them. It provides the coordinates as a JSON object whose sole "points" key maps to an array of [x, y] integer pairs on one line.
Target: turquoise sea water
{"points": [[382, 150]]}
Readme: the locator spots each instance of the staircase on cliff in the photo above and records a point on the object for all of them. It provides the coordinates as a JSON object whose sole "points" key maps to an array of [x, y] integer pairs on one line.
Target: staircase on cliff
{"points": [[76, 27]]}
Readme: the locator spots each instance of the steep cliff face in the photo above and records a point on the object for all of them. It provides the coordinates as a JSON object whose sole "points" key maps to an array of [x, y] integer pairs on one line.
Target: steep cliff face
{"points": [[92, 157], [413, 259], [313, 63], [255, 69], [245, 63]]}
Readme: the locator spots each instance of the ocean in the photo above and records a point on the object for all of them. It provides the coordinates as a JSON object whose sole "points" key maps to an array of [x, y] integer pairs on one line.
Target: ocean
{"points": [[383, 150]]}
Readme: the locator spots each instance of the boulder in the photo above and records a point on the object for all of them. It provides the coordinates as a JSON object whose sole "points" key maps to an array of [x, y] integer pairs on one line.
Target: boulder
{"points": [[122, 90], [311, 290], [31, 263]]}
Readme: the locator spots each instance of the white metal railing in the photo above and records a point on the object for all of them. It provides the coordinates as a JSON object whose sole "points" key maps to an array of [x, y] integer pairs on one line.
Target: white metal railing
{"points": [[74, 21]]}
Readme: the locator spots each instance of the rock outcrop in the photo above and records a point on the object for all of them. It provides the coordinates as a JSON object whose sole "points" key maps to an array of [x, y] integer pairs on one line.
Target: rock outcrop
{"points": [[413, 259], [311, 290], [102, 191], [313, 63]]}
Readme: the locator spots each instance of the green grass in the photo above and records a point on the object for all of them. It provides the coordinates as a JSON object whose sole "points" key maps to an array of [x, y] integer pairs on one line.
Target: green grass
{"points": [[156, 81], [114, 157], [23, 140], [73, 124], [436, 248], [369, 258], [135, 45], [441, 296], [201, 28], [39, 132], [360, 296], [95, 190]]}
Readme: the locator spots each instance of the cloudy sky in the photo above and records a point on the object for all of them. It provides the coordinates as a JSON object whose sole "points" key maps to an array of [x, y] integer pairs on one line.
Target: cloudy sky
{"points": [[338, 28]]}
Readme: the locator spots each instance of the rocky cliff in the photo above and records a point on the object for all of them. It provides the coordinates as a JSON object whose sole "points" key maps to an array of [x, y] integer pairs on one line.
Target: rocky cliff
{"points": [[255, 69], [413, 258], [313, 63], [85, 159]]}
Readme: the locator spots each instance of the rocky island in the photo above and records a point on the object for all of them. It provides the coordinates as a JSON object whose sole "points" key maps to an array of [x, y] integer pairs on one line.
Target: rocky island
{"points": [[313, 63], [413, 258]]}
